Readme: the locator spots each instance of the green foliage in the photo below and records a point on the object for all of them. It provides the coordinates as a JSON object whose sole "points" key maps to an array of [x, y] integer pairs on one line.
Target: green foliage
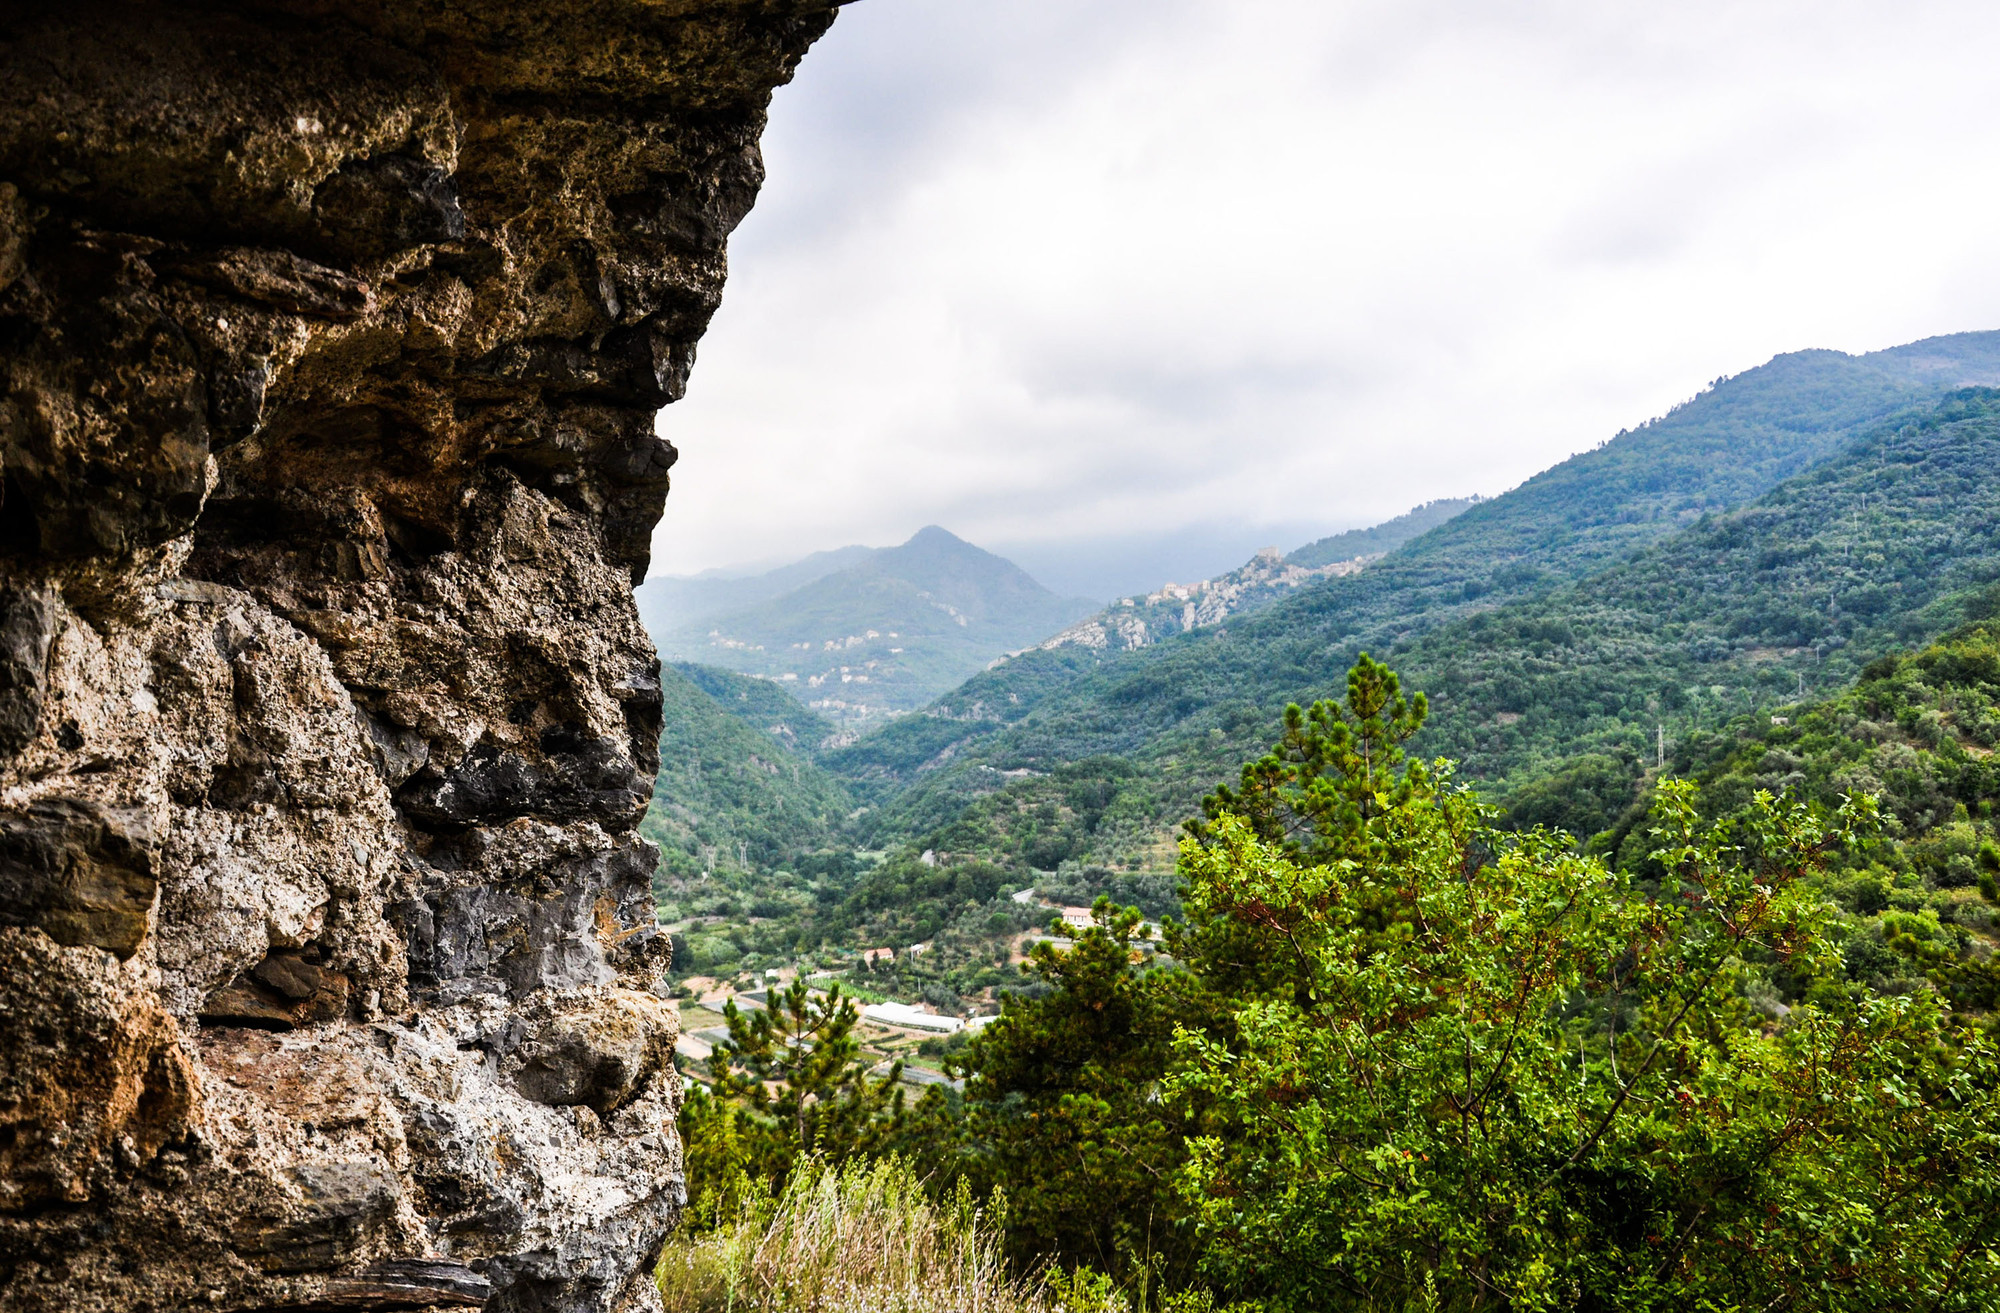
{"points": [[724, 1174], [1772, 1038], [1335, 770], [921, 897], [1917, 730], [1544, 675], [1061, 1110], [731, 799], [1554, 677], [1863, 554], [1255, 585], [1918, 733], [1723, 449], [1403, 1058], [890, 758], [1030, 833], [1537, 1085], [790, 1080], [1042, 820], [796, 1062], [763, 705], [1583, 796]]}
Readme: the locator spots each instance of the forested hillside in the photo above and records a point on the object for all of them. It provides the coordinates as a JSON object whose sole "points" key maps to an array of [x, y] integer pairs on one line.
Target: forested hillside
{"points": [[1567, 632], [764, 705], [1664, 921], [1918, 732], [1571, 691], [1393, 1049], [1566, 697], [1782, 601], [1195, 703], [738, 796]]}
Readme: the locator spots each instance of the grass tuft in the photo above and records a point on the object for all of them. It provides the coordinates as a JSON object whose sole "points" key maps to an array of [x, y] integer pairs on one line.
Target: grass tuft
{"points": [[847, 1239]]}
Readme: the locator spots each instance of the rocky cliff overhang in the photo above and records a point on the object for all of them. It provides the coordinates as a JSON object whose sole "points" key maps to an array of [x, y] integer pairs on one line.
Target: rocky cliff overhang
{"points": [[332, 335]]}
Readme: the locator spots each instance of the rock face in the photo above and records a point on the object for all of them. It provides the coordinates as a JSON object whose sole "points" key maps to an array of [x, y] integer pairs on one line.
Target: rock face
{"points": [[332, 335], [1134, 622]]}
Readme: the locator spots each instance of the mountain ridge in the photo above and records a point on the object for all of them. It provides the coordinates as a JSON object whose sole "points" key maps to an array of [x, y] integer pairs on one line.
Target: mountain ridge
{"points": [[1565, 647], [736, 793], [1174, 608], [1381, 539], [1730, 443], [1748, 432], [1556, 696]]}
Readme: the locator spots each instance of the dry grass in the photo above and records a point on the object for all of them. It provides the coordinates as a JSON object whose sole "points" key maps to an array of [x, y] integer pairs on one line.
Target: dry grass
{"points": [[862, 1238]]}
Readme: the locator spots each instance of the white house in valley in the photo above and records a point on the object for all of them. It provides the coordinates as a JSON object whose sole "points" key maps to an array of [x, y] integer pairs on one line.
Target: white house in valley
{"points": [[902, 1014]]}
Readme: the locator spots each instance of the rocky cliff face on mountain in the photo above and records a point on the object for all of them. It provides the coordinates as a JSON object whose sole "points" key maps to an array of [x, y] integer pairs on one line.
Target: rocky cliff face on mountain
{"points": [[332, 335], [1134, 622]]}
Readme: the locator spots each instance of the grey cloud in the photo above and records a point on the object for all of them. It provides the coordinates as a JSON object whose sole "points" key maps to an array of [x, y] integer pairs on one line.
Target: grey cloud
{"points": [[1049, 271]]}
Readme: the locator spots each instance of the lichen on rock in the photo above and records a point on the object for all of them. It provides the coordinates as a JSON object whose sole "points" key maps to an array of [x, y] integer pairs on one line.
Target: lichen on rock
{"points": [[331, 337]]}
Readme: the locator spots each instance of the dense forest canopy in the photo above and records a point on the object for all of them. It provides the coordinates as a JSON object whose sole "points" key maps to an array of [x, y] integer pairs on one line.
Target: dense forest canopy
{"points": [[1399, 1057]]}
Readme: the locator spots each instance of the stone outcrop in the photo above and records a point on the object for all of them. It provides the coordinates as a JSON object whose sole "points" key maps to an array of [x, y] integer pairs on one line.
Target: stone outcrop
{"points": [[1134, 622], [332, 335]]}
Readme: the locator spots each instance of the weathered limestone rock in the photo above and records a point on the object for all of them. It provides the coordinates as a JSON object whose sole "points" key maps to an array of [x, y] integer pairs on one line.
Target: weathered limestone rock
{"points": [[331, 335]]}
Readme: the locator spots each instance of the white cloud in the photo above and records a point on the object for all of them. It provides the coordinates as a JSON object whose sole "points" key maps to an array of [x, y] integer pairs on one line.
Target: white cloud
{"points": [[1034, 269]]}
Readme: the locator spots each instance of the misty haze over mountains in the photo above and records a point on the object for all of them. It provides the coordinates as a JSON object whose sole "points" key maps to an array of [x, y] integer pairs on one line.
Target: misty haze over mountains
{"points": [[860, 634], [1101, 568], [863, 635]]}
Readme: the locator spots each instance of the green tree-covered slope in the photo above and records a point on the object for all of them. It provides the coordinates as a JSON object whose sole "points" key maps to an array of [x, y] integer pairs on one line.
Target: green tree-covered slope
{"points": [[1552, 690], [763, 705], [1796, 592], [1722, 449], [1398, 1058], [1566, 691], [1918, 731], [733, 800]]}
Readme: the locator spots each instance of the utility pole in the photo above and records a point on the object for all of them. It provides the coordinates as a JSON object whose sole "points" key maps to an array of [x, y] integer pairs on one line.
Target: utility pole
{"points": [[1660, 752]]}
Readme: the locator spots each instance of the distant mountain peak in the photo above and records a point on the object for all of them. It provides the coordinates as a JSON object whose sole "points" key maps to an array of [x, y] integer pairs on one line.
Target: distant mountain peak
{"points": [[884, 634], [938, 544]]}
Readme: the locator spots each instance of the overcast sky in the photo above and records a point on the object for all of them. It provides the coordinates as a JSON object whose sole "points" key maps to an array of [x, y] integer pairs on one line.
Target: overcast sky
{"points": [[1050, 271]]}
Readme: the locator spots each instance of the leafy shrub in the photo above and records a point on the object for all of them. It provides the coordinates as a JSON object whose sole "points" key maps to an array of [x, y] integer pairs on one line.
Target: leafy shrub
{"points": [[1471, 1069]]}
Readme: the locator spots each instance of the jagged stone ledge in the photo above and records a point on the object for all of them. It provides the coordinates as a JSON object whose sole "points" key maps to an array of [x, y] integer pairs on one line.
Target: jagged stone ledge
{"points": [[332, 335]]}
